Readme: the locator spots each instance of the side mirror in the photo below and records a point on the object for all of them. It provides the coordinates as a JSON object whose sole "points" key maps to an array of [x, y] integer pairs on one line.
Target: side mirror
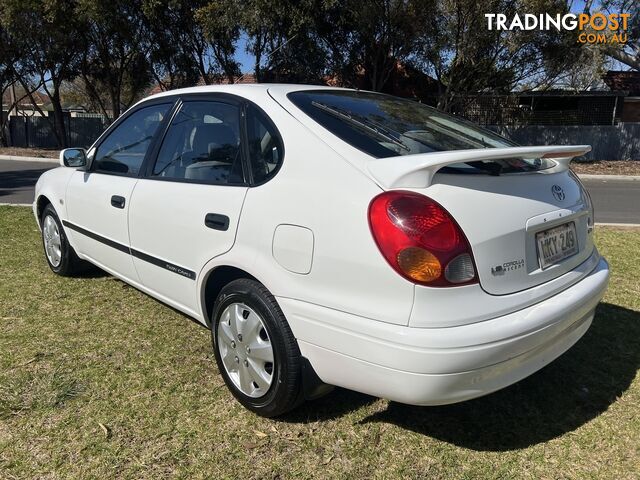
{"points": [[73, 157]]}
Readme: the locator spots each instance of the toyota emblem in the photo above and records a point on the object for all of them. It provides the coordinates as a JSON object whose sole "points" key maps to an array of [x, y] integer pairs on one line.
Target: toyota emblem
{"points": [[557, 192]]}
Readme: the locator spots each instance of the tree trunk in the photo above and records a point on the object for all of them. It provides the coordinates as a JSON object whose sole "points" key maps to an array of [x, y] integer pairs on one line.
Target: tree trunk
{"points": [[231, 76], [617, 53], [29, 93], [93, 93], [3, 137], [58, 117], [257, 51], [115, 103]]}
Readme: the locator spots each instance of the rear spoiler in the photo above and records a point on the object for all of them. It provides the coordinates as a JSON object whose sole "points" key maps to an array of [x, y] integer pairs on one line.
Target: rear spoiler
{"points": [[417, 171]]}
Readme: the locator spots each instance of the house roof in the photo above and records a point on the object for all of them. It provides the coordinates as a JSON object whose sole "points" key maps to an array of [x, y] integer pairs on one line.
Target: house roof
{"points": [[40, 98], [623, 80]]}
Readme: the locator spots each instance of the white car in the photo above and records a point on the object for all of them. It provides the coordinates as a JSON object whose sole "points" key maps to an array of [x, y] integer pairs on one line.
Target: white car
{"points": [[335, 237]]}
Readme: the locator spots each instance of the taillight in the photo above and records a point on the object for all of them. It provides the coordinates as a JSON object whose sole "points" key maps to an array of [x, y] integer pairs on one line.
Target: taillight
{"points": [[586, 199], [421, 240]]}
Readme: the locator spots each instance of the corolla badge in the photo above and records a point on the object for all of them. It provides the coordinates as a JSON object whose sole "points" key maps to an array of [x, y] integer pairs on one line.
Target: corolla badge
{"points": [[557, 192], [507, 267]]}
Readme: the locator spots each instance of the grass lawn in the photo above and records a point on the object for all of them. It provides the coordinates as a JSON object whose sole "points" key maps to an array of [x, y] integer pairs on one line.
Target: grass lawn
{"points": [[98, 380]]}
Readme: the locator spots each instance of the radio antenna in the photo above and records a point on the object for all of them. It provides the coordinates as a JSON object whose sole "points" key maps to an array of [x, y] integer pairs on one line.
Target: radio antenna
{"points": [[268, 57]]}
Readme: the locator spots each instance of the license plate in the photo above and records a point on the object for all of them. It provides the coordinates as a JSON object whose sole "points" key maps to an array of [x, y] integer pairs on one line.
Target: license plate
{"points": [[556, 244]]}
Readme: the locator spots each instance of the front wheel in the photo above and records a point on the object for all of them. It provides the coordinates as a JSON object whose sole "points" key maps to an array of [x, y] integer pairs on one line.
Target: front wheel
{"points": [[256, 352], [61, 257]]}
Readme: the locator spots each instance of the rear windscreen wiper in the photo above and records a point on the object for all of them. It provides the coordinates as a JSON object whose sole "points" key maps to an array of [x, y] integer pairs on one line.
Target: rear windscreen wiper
{"points": [[361, 123]]}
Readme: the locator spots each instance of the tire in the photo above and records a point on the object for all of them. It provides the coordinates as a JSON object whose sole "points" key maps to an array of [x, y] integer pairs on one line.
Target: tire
{"points": [[61, 257], [246, 307]]}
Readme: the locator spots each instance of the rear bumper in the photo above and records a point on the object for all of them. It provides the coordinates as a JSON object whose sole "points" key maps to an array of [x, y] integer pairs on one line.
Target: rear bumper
{"points": [[431, 366]]}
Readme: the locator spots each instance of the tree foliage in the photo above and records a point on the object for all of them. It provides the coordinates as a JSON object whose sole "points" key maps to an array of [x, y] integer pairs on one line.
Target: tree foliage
{"points": [[465, 56], [219, 29], [46, 34], [627, 53], [115, 66], [106, 54], [370, 38]]}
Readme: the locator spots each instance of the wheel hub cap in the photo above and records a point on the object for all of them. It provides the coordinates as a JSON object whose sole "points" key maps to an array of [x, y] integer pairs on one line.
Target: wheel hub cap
{"points": [[52, 241], [245, 349]]}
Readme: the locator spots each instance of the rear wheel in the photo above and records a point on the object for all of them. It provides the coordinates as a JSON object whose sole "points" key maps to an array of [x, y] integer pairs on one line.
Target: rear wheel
{"points": [[61, 257], [255, 350]]}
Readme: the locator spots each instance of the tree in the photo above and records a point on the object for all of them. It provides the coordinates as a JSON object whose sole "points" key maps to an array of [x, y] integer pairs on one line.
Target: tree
{"points": [[177, 44], [282, 37], [192, 40], [627, 53], [8, 58], [46, 33], [372, 38], [219, 22], [466, 57], [114, 65]]}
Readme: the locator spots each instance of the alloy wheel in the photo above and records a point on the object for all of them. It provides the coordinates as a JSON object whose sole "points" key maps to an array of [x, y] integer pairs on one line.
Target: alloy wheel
{"points": [[52, 241]]}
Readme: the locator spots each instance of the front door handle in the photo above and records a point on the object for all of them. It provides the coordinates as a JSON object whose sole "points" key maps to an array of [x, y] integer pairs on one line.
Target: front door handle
{"points": [[117, 201], [217, 221]]}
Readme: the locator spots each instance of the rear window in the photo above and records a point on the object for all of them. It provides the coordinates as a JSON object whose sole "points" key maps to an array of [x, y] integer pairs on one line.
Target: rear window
{"points": [[386, 126]]}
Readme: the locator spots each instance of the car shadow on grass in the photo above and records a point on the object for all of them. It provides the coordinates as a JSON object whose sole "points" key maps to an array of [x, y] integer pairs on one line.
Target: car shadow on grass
{"points": [[571, 391], [335, 404], [91, 271]]}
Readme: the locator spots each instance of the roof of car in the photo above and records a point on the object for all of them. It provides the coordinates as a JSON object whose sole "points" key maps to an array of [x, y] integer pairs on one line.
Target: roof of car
{"points": [[238, 89]]}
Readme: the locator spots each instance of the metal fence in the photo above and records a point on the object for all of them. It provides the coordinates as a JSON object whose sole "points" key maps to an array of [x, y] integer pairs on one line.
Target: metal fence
{"points": [[608, 142], [540, 108], [37, 132]]}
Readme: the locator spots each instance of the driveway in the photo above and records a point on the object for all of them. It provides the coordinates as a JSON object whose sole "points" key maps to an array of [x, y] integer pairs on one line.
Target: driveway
{"points": [[615, 201]]}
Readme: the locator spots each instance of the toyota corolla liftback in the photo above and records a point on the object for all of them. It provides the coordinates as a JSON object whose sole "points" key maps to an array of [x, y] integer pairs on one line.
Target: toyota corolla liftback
{"points": [[335, 237]]}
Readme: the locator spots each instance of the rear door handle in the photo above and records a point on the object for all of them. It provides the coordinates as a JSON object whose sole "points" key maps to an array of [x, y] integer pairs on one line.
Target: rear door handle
{"points": [[217, 221], [117, 201]]}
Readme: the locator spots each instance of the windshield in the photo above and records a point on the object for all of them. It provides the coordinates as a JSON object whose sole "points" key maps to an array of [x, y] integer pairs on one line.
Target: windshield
{"points": [[386, 126]]}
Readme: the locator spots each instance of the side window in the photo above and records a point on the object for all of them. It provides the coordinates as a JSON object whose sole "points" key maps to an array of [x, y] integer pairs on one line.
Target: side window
{"points": [[124, 149], [265, 145], [202, 144]]}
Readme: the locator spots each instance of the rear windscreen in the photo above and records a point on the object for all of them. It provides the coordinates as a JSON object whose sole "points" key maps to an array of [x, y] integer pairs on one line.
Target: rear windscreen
{"points": [[386, 126]]}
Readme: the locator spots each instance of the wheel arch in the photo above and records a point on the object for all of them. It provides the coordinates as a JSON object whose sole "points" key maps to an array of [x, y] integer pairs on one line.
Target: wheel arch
{"points": [[214, 280], [41, 203]]}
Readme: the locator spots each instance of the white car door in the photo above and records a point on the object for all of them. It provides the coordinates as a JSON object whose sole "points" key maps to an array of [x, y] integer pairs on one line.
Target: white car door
{"points": [[98, 200], [185, 209]]}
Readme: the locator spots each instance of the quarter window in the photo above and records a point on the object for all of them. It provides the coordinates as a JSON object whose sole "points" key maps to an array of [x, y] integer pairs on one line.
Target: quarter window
{"points": [[202, 145], [265, 146], [123, 151]]}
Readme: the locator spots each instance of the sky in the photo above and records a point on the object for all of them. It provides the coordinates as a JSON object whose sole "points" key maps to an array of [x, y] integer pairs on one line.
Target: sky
{"points": [[578, 6], [246, 60]]}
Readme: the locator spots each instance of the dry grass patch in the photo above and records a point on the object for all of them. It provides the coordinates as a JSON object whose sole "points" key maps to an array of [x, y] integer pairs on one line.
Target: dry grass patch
{"points": [[29, 152], [609, 167]]}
